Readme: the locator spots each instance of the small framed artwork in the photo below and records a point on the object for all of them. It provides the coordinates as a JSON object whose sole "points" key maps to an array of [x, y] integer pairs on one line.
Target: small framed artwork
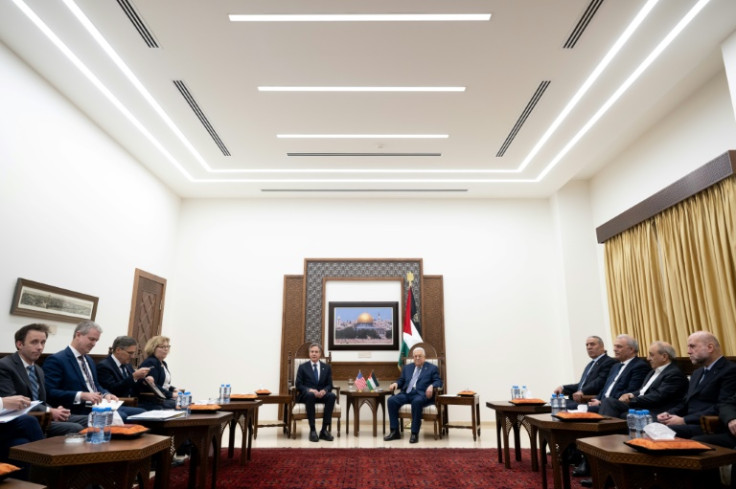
{"points": [[38, 300], [363, 326]]}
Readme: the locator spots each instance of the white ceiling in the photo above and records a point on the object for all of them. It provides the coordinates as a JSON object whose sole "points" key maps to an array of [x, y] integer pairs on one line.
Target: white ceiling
{"points": [[502, 62]]}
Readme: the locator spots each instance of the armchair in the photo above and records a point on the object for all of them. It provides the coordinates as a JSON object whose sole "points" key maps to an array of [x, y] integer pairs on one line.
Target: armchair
{"points": [[430, 411], [298, 410]]}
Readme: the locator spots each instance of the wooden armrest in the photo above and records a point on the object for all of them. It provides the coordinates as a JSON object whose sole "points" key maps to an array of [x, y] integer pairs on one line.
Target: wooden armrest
{"points": [[129, 401], [587, 398], [711, 424], [43, 418]]}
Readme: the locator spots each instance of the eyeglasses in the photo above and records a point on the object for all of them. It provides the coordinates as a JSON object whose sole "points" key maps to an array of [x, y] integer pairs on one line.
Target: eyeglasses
{"points": [[164, 347], [131, 353]]}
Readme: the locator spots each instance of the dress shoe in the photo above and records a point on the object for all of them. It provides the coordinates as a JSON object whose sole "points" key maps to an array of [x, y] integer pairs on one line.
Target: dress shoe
{"points": [[586, 482], [414, 438], [325, 435], [394, 435], [582, 469], [313, 436]]}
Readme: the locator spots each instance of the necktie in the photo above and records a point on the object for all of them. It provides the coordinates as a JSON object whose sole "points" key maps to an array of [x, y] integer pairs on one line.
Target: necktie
{"points": [[619, 369], [34, 382], [413, 381], [124, 371], [87, 373], [585, 375], [316, 373], [702, 376]]}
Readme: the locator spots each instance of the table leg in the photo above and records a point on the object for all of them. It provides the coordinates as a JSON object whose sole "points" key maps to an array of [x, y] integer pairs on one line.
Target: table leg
{"points": [[247, 435], [382, 401], [475, 415], [374, 408], [285, 417], [347, 416], [543, 457], [231, 435], [517, 439], [255, 424], [533, 440], [356, 416]]}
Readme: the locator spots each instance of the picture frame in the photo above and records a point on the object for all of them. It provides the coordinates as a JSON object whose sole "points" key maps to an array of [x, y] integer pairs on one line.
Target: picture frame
{"points": [[363, 326], [34, 299]]}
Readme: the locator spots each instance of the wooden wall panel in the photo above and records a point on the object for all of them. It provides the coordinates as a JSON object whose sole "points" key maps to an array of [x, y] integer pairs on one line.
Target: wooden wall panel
{"points": [[292, 323]]}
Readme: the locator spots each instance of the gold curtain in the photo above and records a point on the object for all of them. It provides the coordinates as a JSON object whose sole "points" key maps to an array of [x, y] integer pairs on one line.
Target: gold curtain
{"points": [[676, 273]]}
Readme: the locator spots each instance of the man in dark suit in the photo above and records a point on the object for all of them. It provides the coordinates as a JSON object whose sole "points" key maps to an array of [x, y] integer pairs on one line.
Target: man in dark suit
{"points": [[416, 387], [314, 384], [712, 383], [664, 386], [594, 374], [115, 372], [71, 376], [19, 375], [625, 376]]}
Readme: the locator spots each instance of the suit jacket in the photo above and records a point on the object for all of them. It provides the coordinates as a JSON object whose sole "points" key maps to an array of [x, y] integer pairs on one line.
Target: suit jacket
{"points": [[595, 380], [64, 378], [14, 379], [703, 397], [159, 376], [667, 390], [430, 375], [305, 378], [111, 378], [631, 379]]}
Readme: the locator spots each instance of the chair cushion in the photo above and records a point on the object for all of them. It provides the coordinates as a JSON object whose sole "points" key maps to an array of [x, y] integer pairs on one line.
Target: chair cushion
{"points": [[301, 409], [430, 409]]}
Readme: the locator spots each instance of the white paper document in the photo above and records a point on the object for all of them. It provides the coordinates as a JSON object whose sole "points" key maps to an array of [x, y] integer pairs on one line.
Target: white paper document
{"points": [[158, 414], [10, 414]]}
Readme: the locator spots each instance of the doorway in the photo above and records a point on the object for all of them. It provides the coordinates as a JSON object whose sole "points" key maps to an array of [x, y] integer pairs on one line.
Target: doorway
{"points": [[146, 310]]}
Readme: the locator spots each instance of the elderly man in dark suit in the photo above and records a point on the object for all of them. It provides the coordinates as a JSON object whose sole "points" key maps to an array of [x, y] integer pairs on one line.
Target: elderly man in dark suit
{"points": [[416, 387], [71, 376], [712, 383], [115, 372], [594, 375], [664, 386], [314, 384], [19, 375]]}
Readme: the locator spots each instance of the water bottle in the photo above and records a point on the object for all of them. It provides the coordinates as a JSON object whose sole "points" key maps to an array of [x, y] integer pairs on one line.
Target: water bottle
{"points": [[221, 397], [523, 392], [646, 419], [180, 401], [631, 423], [107, 426], [554, 406], [227, 393], [561, 403], [96, 426], [639, 423], [188, 402], [514, 392]]}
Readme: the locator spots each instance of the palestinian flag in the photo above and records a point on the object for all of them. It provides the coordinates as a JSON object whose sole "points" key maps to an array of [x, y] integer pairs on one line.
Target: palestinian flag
{"points": [[412, 332], [372, 382]]}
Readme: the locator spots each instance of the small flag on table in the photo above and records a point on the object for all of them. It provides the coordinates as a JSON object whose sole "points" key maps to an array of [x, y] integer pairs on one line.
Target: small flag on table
{"points": [[360, 382], [372, 382]]}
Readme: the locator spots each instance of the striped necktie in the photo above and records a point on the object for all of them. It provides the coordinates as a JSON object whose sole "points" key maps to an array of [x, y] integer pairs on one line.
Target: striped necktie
{"points": [[87, 374], [34, 382]]}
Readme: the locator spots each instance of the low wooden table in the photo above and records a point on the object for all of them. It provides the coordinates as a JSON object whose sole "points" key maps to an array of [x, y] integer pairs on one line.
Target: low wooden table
{"points": [[204, 431], [244, 414], [18, 484], [283, 400], [628, 468], [510, 417], [373, 399], [562, 434], [119, 463], [444, 401]]}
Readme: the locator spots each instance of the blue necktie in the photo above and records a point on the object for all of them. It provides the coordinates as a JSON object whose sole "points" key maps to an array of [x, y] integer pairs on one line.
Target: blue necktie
{"points": [[316, 374], [585, 375], [34, 382], [413, 381], [611, 379]]}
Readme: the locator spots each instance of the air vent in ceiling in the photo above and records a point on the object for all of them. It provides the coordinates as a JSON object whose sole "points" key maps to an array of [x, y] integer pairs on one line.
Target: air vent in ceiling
{"points": [[200, 115], [138, 23], [523, 117], [582, 24], [363, 154], [348, 190]]}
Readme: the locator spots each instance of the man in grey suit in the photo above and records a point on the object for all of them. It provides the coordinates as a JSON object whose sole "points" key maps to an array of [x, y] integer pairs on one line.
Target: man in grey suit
{"points": [[19, 375], [664, 386], [594, 374]]}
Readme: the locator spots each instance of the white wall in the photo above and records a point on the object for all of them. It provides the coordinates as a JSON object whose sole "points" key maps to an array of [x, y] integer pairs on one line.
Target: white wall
{"points": [[499, 260], [76, 211]]}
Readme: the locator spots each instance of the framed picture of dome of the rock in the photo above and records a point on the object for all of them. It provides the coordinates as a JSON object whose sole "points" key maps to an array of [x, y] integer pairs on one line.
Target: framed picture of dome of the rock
{"points": [[363, 326]]}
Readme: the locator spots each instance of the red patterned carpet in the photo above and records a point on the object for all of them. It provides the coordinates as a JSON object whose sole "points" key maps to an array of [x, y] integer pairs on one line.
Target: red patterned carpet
{"points": [[377, 468]]}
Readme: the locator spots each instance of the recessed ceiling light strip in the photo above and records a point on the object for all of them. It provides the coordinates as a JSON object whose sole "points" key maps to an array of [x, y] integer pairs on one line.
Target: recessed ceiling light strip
{"points": [[360, 17], [99, 85], [523, 117], [666, 41], [359, 190], [361, 89], [362, 136], [364, 154], [617, 46]]}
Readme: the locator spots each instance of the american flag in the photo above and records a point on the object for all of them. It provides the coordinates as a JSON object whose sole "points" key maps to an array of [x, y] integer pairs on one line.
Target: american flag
{"points": [[360, 382]]}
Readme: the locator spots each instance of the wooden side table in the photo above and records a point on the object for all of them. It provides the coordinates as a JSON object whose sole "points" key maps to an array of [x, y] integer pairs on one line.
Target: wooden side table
{"points": [[444, 401], [628, 468], [373, 399], [244, 415], [283, 400], [510, 417]]}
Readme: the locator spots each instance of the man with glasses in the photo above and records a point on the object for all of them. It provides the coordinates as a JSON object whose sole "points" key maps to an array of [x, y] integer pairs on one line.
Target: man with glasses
{"points": [[115, 372]]}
